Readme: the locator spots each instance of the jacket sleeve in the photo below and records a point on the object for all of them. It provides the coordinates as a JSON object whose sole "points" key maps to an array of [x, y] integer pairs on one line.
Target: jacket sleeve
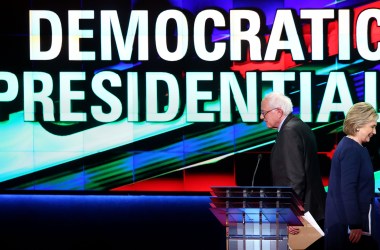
{"points": [[292, 147], [350, 167]]}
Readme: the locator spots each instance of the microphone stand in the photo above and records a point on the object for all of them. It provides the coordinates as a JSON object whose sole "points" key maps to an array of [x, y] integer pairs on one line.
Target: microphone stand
{"points": [[257, 165]]}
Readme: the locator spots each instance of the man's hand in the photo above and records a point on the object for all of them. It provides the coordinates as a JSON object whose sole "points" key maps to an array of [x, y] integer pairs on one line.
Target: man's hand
{"points": [[293, 230]]}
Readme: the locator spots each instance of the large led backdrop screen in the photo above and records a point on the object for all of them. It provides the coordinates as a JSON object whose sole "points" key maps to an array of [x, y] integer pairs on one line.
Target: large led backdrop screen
{"points": [[165, 95]]}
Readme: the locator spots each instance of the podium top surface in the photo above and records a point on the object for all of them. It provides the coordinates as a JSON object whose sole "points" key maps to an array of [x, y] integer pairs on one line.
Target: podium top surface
{"points": [[230, 191], [249, 202], [256, 197], [255, 191]]}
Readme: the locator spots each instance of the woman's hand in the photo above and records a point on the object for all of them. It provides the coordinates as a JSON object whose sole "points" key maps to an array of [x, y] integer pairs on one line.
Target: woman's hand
{"points": [[355, 235]]}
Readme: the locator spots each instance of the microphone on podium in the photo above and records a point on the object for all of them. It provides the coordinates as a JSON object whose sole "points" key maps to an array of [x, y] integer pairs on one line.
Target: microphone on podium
{"points": [[259, 156]]}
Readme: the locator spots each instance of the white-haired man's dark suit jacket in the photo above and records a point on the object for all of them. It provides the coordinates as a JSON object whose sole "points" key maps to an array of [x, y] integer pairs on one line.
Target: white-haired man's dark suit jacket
{"points": [[294, 163]]}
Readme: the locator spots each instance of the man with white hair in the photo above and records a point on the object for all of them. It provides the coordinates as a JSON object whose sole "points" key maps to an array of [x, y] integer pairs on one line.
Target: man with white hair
{"points": [[294, 159]]}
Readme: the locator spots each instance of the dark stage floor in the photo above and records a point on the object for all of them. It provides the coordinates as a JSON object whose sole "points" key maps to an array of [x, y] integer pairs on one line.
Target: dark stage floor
{"points": [[109, 221]]}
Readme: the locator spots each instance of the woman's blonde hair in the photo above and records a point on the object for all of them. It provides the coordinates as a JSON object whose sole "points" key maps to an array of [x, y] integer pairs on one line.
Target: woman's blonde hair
{"points": [[358, 115]]}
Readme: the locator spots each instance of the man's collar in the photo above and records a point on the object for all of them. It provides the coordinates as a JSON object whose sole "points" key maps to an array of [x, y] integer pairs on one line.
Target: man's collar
{"points": [[279, 127]]}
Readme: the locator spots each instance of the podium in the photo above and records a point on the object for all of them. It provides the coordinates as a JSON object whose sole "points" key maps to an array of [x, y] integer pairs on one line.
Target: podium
{"points": [[256, 217]]}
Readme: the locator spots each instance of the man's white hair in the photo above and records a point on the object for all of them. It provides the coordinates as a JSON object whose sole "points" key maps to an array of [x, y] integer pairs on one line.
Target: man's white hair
{"points": [[279, 100]]}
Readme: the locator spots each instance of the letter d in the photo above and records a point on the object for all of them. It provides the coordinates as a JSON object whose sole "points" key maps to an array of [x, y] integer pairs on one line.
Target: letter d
{"points": [[35, 17]]}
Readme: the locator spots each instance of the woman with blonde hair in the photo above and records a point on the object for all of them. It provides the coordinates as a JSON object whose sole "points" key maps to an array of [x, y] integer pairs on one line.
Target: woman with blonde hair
{"points": [[351, 184]]}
